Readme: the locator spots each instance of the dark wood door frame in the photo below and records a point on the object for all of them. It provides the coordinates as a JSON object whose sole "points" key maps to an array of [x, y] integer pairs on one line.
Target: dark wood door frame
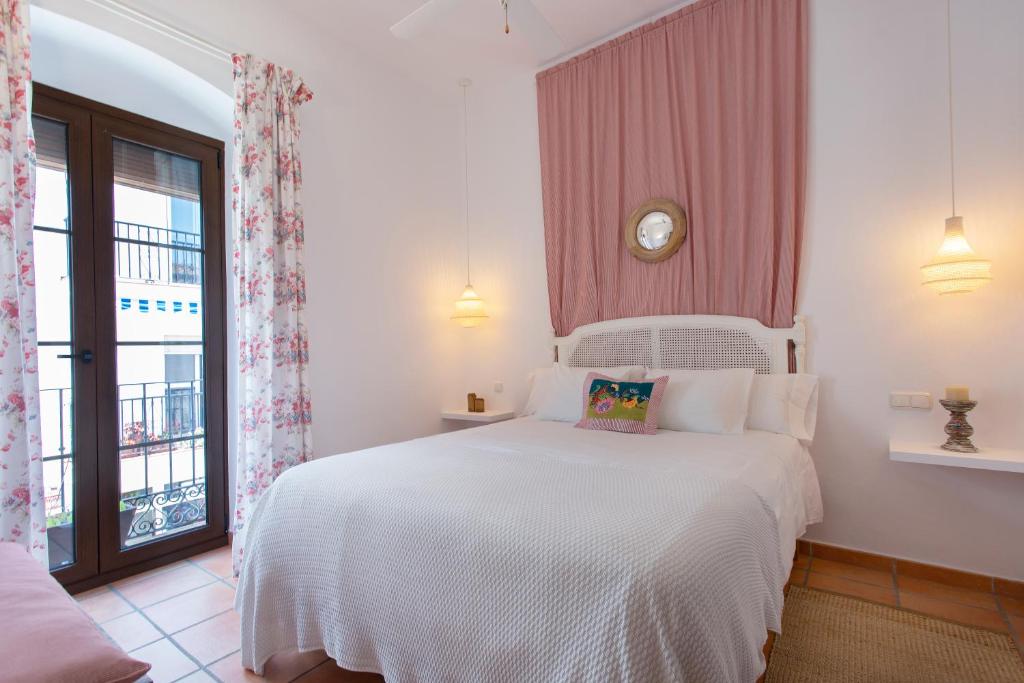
{"points": [[83, 333], [104, 130], [92, 206]]}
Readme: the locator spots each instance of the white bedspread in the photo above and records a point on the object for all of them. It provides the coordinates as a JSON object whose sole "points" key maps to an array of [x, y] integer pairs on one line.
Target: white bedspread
{"points": [[531, 551]]}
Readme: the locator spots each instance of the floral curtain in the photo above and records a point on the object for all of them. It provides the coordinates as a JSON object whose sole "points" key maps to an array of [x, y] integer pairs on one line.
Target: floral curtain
{"points": [[22, 502], [274, 431]]}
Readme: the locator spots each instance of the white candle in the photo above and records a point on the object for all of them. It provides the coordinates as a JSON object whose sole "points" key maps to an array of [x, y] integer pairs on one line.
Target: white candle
{"points": [[958, 393]]}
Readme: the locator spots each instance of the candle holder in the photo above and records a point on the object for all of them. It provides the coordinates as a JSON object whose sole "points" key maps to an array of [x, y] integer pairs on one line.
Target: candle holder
{"points": [[958, 429]]}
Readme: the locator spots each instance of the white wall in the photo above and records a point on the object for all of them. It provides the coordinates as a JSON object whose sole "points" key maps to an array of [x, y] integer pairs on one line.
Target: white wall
{"points": [[878, 192], [383, 246], [93, 63], [878, 188], [507, 241]]}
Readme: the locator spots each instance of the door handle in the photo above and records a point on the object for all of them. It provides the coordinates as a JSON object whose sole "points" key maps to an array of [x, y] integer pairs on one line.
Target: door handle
{"points": [[85, 356]]}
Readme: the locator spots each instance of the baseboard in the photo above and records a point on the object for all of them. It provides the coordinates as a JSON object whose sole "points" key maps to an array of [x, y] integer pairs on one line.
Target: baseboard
{"points": [[930, 572], [154, 563]]}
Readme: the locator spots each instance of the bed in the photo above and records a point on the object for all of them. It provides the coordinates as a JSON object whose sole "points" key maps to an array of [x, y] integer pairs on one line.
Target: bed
{"points": [[533, 551]]}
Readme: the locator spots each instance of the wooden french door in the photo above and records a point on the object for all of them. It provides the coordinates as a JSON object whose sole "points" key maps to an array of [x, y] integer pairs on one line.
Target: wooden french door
{"points": [[130, 293]]}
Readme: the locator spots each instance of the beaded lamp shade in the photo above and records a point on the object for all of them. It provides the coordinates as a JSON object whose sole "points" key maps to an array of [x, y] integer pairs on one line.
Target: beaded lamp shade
{"points": [[469, 308], [956, 269]]}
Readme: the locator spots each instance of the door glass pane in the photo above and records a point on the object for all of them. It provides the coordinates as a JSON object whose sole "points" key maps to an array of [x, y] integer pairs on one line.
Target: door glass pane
{"points": [[53, 284], [158, 243], [52, 249]]}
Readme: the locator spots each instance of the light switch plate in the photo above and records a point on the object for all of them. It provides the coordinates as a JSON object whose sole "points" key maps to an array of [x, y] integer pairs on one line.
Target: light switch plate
{"points": [[911, 399], [898, 399]]}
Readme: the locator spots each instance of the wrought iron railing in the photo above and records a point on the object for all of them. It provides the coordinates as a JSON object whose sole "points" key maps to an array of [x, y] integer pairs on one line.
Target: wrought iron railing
{"points": [[162, 426], [55, 405], [154, 412], [162, 511], [155, 254]]}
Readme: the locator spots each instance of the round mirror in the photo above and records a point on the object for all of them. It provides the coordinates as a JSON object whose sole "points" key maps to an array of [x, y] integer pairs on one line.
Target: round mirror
{"points": [[656, 230]]}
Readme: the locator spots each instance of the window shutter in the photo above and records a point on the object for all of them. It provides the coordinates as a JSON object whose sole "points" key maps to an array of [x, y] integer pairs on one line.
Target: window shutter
{"points": [[154, 170], [51, 143]]}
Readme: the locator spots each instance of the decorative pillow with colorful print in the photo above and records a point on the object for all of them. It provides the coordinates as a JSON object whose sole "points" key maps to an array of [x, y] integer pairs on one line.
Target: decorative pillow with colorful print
{"points": [[617, 405]]}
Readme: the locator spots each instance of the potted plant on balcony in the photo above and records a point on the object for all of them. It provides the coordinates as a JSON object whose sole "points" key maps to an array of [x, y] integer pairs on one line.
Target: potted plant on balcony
{"points": [[127, 516], [60, 532], [135, 434]]}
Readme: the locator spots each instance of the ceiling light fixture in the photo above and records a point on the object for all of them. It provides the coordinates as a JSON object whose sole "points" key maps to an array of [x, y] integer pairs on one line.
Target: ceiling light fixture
{"points": [[470, 310], [955, 268], [531, 26]]}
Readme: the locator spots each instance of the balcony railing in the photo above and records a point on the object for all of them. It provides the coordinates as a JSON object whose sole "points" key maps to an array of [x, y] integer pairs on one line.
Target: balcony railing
{"points": [[158, 254], [162, 458], [157, 412]]}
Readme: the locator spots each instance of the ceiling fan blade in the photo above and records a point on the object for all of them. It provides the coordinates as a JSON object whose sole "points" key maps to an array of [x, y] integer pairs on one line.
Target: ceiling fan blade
{"points": [[428, 13], [545, 43]]}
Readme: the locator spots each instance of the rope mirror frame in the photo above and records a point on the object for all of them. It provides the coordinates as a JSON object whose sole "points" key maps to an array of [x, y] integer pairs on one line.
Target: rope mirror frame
{"points": [[675, 240]]}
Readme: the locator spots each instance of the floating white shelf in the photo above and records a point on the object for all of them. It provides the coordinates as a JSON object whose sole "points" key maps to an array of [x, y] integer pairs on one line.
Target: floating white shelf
{"points": [[486, 416], [1001, 459]]}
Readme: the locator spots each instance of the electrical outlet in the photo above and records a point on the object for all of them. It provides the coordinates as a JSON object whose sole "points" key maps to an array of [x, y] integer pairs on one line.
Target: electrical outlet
{"points": [[499, 387]]}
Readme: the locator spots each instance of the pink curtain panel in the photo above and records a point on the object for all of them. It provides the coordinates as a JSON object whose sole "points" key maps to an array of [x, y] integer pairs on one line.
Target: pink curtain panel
{"points": [[707, 107]]}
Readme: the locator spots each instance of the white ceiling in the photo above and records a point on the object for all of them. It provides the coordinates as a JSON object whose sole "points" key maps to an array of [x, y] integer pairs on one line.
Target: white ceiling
{"points": [[468, 42], [471, 40]]}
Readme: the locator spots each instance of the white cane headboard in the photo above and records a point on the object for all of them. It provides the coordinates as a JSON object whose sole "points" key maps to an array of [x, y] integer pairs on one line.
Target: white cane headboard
{"points": [[691, 342]]}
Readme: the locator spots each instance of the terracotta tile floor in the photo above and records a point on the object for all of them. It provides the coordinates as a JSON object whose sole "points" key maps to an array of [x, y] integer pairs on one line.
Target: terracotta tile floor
{"points": [[964, 605], [180, 618]]}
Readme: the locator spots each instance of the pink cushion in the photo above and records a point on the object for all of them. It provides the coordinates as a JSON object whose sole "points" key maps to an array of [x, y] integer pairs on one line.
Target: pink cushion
{"points": [[621, 405], [46, 636]]}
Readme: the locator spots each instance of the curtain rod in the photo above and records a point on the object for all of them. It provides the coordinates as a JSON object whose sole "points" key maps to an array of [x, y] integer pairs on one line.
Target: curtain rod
{"points": [[163, 28]]}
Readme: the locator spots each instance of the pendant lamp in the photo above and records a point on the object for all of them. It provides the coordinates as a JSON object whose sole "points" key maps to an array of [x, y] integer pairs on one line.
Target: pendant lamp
{"points": [[470, 310], [955, 268]]}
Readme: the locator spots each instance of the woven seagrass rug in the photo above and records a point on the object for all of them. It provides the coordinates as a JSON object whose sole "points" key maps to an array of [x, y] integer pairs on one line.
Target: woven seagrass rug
{"points": [[830, 638]]}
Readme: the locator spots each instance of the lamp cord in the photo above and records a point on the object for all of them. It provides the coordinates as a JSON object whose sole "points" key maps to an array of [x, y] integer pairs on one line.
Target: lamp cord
{"points": [[465, 150], [949, 56]]}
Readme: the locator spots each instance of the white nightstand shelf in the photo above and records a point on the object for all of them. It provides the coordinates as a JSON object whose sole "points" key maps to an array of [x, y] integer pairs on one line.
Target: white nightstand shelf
{"points": [[1001, 459], [485, 417]]}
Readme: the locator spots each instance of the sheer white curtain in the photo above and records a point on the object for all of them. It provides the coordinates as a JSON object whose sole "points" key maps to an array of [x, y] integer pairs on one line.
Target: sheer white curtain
{"points": [[274, 431], [22, 495]]}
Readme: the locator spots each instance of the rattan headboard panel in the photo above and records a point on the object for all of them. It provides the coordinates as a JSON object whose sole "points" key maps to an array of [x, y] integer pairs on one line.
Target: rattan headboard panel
{"points": [[713, 348], [698, 342], [617, 347]]}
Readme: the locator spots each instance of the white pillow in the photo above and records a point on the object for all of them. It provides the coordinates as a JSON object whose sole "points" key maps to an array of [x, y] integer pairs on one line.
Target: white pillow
{"points": [[557, 392], [712, 401], [785, 404]]}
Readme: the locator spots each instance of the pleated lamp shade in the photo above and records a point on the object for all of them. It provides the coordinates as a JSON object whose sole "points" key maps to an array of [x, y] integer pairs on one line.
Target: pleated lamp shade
{"points": [[956, 269], [470, 310]]}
